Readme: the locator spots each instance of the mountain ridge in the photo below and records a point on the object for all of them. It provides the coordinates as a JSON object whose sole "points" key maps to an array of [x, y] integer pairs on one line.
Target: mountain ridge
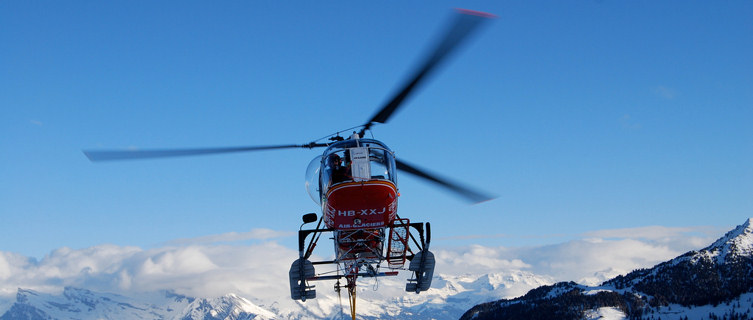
{"points": [[718, 274], [451, 296], [78, 303]]}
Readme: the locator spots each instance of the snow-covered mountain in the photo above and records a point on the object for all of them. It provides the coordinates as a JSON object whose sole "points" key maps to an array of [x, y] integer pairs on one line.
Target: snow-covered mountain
{"points": [[130, 283], [74, 303], [450, 298], [716, 281]]}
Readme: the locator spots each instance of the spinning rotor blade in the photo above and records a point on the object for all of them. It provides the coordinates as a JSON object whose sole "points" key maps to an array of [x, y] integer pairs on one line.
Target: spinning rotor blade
{"points": [[466, 22], [469, 194], [111, 155]]}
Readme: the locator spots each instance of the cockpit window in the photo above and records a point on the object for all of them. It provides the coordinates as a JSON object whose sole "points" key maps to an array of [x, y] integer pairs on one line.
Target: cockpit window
{"points": [[380, 165], [351, 161]]}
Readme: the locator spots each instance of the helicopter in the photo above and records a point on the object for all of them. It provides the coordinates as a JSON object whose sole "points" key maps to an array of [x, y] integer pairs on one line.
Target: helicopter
{"points": [[355, 182]]}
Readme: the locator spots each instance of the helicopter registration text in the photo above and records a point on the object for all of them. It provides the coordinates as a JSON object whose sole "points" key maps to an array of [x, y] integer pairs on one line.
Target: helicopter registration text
{"points": [[362, 212], [367, 204]]}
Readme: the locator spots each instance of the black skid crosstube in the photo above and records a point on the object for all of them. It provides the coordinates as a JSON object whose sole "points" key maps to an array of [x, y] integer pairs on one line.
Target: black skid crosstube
{"points": [[417, 252]]}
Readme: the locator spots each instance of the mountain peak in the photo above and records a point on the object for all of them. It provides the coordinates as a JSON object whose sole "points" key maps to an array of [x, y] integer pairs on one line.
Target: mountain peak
{"points": [[23, 295], [719, 279], [738, 242]]}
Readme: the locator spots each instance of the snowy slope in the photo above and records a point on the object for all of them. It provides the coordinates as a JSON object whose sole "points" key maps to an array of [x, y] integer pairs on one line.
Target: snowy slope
{"points": [[75, 303], [736, 243], [717, 280]]}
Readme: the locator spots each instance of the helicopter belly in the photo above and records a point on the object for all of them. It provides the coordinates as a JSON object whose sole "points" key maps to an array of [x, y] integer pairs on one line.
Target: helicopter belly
{"points": [[358, 205]]}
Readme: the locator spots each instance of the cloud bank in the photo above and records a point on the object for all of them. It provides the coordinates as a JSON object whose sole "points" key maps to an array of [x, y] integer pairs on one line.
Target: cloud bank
{"points": [[594, 257], [196, 270], [204, 267]]}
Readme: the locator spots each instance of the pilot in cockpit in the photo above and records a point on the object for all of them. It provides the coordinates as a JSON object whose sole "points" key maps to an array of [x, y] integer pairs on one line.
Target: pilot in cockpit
{"points": [[340, 171]]}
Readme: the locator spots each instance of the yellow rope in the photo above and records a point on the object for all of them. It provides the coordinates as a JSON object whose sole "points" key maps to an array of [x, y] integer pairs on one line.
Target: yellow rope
{"points": [[352, 303]]}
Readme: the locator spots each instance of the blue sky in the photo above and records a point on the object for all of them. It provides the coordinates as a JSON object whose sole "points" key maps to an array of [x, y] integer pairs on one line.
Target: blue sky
{"points": [[581, 116]]}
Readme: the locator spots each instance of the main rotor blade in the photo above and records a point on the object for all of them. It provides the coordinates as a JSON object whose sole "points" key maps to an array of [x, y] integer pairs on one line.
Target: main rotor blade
{"points": [[111, 155], [467, 193], [466, 22]]}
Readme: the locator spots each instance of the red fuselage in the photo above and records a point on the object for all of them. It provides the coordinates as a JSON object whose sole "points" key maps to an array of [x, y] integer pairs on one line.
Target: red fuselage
{"points": [[360, 205]]}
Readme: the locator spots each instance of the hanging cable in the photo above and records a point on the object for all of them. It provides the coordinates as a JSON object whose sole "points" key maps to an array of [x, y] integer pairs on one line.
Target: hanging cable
{"points": [[352, 296], [339, 297]]}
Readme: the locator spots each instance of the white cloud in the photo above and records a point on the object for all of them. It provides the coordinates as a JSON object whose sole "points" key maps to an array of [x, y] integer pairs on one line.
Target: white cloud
{"points": [[477, 259], [260, 269], [209, 270], [585, 259], [179, 261], [596, 256]]}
